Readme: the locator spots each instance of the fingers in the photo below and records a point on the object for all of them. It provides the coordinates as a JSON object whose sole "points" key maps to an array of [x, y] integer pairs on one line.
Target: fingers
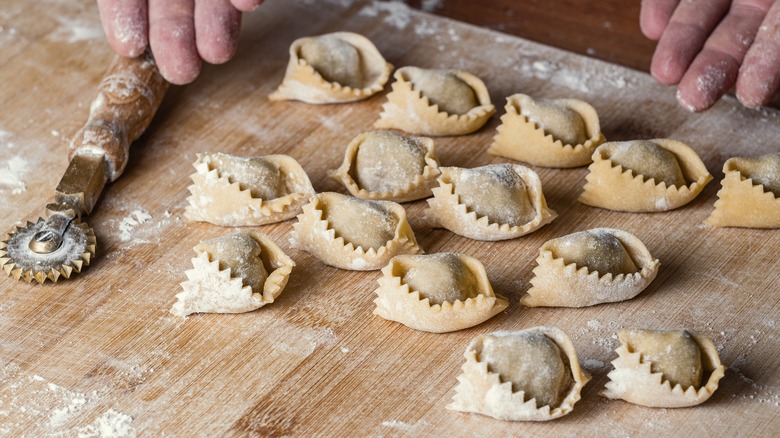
{"points": [[684, 36], [125, 24], [655, 15], [172, 37], [715, 69], [217, 25], [246, 5], [759, 77]]}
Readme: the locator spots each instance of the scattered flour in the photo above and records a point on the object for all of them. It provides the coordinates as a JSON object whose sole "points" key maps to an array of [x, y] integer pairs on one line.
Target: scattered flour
{"points": [[307, 341], [30, 399], [12, 173], [398, 13], [396, 424], [129, 223], [426, 28], [73, 30], [111, 424], [584, 79]]}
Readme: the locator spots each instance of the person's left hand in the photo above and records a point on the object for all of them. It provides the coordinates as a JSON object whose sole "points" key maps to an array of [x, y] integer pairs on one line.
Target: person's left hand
{"points": [[181, 33]]}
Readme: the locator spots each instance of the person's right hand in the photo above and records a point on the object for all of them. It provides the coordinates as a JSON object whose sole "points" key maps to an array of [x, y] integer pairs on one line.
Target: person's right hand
{"points": [[181, 33], [707, 46]]}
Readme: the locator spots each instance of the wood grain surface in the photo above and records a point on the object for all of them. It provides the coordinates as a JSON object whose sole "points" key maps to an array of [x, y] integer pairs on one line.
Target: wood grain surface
{"points": [[605, 29], [102, 349]]}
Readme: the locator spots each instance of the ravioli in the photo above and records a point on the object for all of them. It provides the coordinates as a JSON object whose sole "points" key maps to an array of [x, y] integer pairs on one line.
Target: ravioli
{"points": [[493, 202], [750, 193], [597, 266], [351, 233], [436, 293], [383, 165], [527, 375], [236, 273], [229, 190], [644, 176], [560, 133], [664, 368], [436, 103], [333, 68]]}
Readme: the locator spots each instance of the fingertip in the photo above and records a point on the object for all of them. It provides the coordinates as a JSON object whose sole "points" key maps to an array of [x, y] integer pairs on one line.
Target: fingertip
{"points": [[654, 16], [650, 26], [683, 102], [179, 73], [666, 69], [216, 53], [246, 5], [129, 49], [751, 94]]}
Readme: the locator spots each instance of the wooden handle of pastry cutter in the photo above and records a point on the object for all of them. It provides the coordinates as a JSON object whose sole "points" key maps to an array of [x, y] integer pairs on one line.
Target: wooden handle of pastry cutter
{"points": [[128, 97]]}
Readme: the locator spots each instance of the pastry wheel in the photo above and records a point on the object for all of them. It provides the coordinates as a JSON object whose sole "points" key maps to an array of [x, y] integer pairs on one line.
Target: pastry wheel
{"points": [[61, 244]]}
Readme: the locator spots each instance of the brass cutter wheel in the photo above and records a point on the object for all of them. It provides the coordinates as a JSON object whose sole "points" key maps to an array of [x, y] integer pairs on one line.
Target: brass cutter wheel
{"points": [[61, 244]]}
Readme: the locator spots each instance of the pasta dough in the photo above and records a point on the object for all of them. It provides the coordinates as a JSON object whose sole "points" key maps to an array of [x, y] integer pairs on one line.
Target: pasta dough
{"points": [[664, 368], [647, 158], [644, 176], [750, 193], [436, 102], [557, 119], [233, 191], [528, 375], [388, 166], [444, 89], [333, 68], [236, 273], [494, 202], [436, 293], [496, 192], [351, 233], [548, 132], [601, 265]]}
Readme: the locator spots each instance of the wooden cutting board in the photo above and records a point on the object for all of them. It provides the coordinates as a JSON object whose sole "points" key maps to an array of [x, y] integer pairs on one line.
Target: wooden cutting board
{"points": [[102, 349]]}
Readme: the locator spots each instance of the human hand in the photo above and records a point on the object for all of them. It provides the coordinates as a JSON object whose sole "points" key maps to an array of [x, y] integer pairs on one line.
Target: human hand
{"points": [[707, 46], [181, 33]]}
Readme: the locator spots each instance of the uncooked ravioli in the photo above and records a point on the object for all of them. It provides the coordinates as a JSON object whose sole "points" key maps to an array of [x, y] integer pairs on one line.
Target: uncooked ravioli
{"points": [[443, 88], [764, 170], [367, 224], [334, 59], [387, 161], [240, 253], [598, 250], [261, 177], [647, 158], [441, 278], [496, 191], [555, 118], [673, 353]]}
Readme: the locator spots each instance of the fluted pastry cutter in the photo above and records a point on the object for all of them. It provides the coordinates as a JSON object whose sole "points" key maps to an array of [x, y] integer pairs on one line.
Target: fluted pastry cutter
{"points": [[61, 243]]}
